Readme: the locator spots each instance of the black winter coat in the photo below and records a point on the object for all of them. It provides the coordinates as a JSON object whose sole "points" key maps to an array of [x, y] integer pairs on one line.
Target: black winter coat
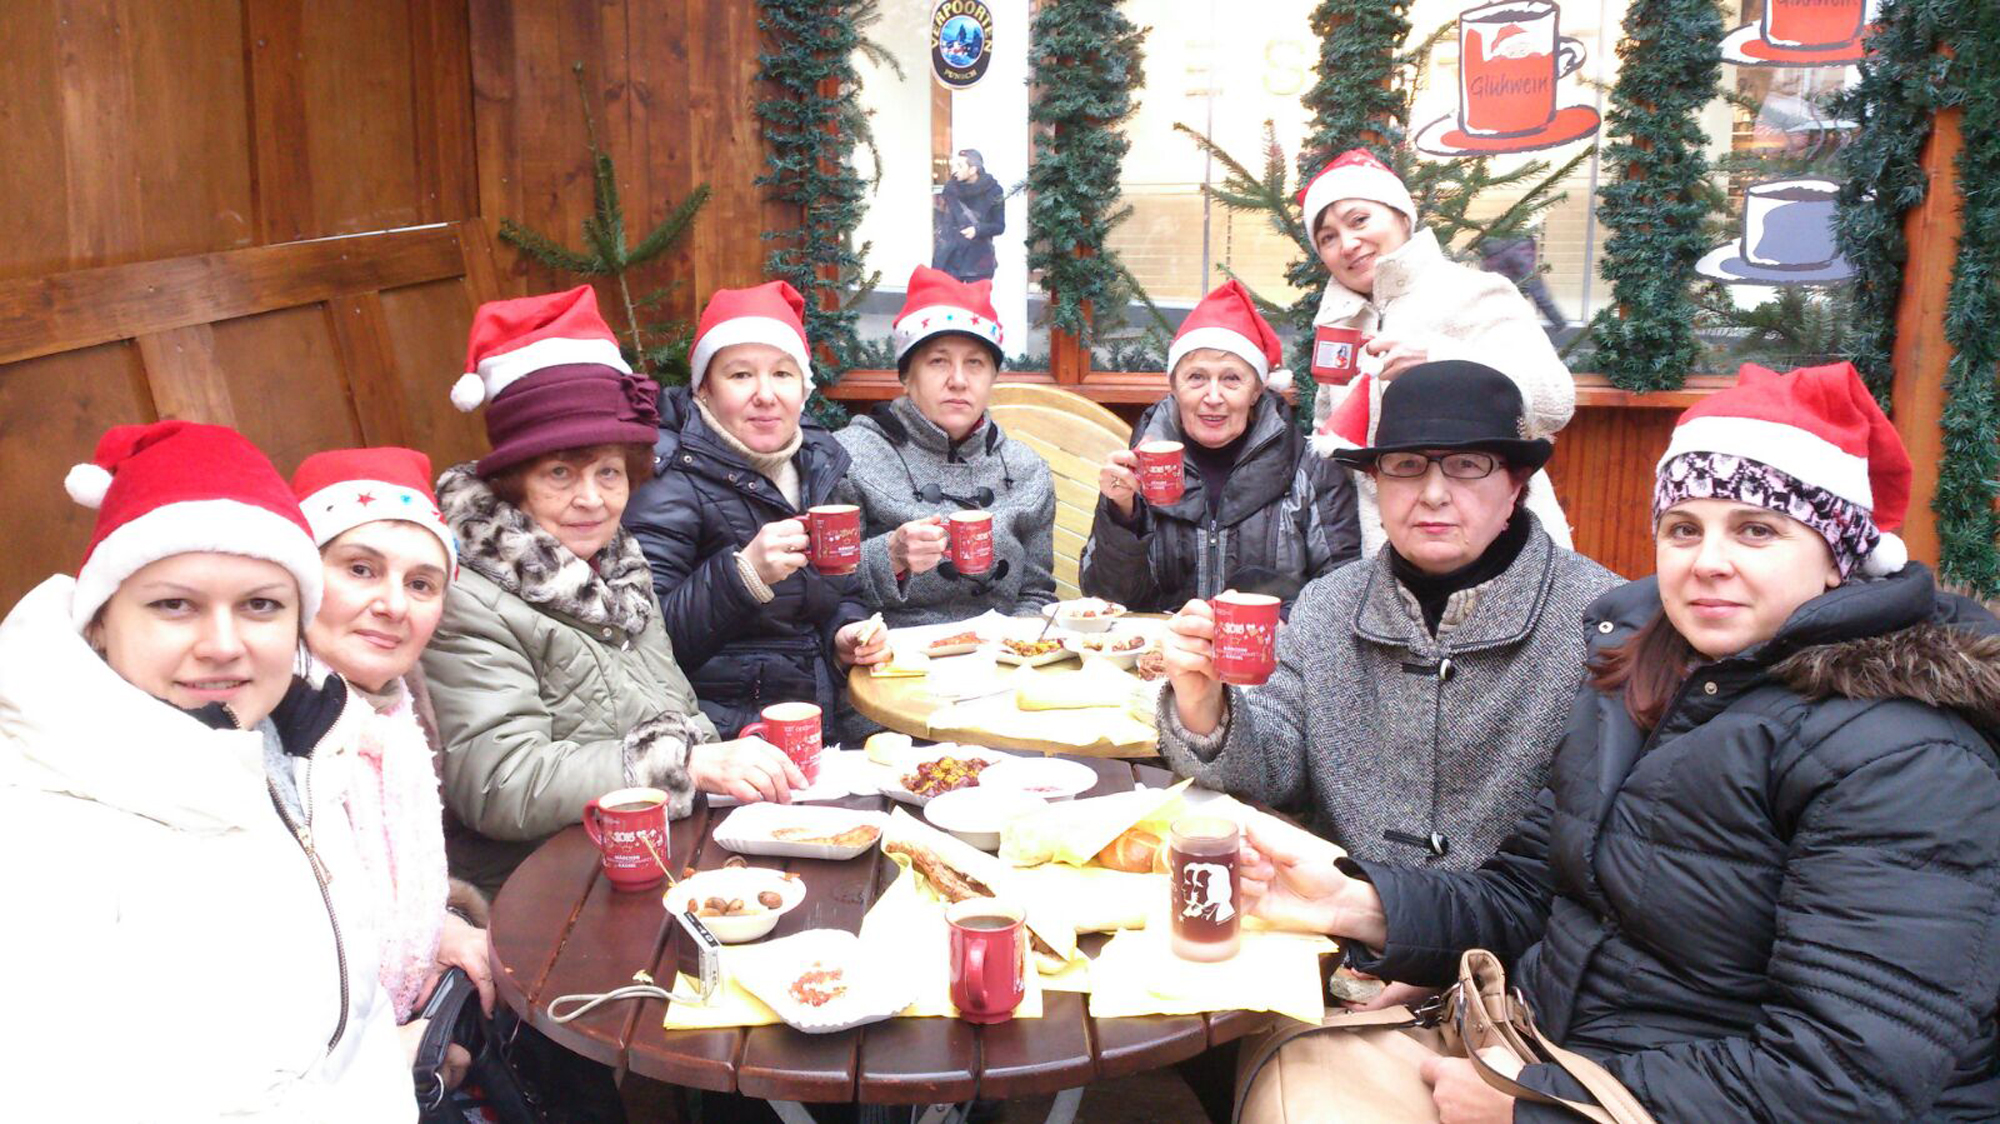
{"points": [[704, 504], [1781, 905], [1287, 517], [981, 205]]}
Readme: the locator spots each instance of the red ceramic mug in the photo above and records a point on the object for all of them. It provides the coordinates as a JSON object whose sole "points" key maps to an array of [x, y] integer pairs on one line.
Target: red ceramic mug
{"points": [[629, 827], [1162, 472], [1336, 354], [971, 541], [793, 727], [1246, 637], [989, 959], [835, 530]]}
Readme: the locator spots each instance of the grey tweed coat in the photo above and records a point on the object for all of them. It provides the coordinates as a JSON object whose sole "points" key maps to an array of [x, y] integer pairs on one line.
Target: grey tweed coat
{"points": [[1374, 726]]}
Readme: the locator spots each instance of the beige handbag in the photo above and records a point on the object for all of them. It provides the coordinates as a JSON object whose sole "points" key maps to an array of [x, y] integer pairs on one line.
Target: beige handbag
{"points": [[1361, 1067]]}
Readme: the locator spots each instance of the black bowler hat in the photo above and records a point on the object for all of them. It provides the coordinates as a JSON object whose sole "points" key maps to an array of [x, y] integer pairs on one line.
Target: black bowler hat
{"points": [[1453, 404]]}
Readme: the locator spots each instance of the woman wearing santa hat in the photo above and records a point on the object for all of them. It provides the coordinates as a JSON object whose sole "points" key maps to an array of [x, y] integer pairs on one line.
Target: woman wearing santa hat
{"points": [[171, 811], [1764, 879], [551, 674], [935, 451], [1390, 278], [1258, 512], [723, 521], [389, 559]]}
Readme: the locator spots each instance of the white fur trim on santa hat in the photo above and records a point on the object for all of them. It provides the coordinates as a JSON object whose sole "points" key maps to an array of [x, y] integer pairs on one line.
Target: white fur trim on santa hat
{"points": [[1218, 338], [1357, 181], [339, 508], [934, 320], [748, 329], [1799, 454], [503, 369], [1889, 556], [197, 526]]}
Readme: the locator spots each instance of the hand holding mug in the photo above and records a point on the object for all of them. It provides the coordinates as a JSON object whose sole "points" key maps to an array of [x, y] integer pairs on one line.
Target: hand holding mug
{"points": [[749, 769], [918, 546], [1189, 649], [779, 550], [1118, 479], [1397, 354]]}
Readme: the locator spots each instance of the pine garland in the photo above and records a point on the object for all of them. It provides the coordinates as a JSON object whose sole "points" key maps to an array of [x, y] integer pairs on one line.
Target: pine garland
{"points": [[1084, 61], [1656, 206], [809, 142]]}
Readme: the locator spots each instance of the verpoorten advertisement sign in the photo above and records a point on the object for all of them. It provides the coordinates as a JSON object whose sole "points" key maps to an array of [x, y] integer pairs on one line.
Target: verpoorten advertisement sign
{"points": [[961, 42]]}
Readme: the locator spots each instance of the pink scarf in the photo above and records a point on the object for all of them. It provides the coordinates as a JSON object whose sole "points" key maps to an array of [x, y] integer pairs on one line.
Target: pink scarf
{"points": [[398, 819]]}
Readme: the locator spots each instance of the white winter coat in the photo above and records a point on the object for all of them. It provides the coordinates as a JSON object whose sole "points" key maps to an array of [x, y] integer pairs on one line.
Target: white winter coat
{"points": [[169, 953], [1457, 312]]}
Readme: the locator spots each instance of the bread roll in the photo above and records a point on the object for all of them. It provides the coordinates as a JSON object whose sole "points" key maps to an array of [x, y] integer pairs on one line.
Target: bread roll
{"points": [[1135, 851]]}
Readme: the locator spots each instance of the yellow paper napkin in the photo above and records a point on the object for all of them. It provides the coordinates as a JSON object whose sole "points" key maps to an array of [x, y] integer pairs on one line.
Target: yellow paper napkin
{"points": [[729, 1006], [1137, 973], [1073, 831], [1096, 899]]}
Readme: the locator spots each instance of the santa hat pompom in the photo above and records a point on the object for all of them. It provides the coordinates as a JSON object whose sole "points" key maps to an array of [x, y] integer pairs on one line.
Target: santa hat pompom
{"points": [[1889, 556], [87, 483], [468, 393], [1279, 380]]}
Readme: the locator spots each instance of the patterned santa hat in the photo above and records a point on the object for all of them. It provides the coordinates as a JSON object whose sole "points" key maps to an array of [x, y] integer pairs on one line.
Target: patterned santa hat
{"points": [[548, 370], [1228, 320], [772, 313], [938, 303], [178, 487], [341, 489], [1355, 174], [1346, 425], [1811, 444]]}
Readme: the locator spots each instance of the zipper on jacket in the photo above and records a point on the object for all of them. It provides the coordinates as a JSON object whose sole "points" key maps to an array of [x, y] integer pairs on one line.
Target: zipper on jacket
{"points": [[303, 834]]}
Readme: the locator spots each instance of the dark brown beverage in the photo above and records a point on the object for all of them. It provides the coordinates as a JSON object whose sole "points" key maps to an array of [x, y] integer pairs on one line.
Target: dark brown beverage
{"points": [[987, 923], [635, 806], [1202, 866]]}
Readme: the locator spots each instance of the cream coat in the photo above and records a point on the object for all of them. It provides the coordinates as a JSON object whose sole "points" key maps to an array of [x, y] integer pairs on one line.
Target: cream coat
{"points": [[169, 954], [1457, 312]]}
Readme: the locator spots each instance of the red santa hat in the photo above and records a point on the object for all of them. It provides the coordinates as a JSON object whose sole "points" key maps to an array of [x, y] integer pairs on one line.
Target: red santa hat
{"points": [[772, 313], [1228, 320], [549, 372], [178, 487], [1810, 443], [1355, 174], [1346, 425], [938, 303], [341, 489]]}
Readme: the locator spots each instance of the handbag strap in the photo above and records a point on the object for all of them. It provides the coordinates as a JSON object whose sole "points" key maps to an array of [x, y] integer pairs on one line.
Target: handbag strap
{"points": [[454, 988], [1483, 988], [1388, 1018]]}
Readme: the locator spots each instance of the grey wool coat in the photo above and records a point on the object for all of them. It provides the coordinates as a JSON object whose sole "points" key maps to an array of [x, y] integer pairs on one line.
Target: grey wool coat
{"points": [[896, 451], [1375, 726]]}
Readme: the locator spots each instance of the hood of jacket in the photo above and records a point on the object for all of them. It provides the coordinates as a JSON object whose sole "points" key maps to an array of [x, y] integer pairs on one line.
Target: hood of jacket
{"points": [[1898, 637], [687, 438], [506, 546], [73, 726], [1396, 273], [1263, 471]]}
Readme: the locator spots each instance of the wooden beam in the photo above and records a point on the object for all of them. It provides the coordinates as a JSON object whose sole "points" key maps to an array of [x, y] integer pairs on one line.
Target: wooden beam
{"points": [[65, 311], [185, 380], [1921, 353], [282, 182], [368, 363]]}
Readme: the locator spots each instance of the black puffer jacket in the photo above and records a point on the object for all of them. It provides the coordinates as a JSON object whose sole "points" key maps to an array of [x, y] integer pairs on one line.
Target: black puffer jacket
{"points": [[1287, 517], [1783, 904], [702, 506]]}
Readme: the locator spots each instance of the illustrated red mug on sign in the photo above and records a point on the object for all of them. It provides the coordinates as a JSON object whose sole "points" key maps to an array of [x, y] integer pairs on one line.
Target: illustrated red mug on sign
{"points": [[1337, 354], [1813, 25], [793, 727], [1509, 60], [629, 827]]}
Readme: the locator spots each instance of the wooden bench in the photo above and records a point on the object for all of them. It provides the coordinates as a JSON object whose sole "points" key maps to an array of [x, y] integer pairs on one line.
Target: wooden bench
{"points": [[1074, 435]]}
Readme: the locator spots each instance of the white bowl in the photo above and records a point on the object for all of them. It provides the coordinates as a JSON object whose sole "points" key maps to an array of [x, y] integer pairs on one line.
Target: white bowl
{"points": [[1104, 614], [733, 882], [1047, 778], [1083, 646], [977, 815]]}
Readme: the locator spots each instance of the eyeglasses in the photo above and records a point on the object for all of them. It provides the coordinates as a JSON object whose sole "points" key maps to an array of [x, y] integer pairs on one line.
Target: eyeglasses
{"points": [[981, 498], [1458, 466]]}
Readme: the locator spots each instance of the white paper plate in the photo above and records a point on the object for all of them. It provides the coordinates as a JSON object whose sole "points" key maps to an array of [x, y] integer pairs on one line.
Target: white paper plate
{"points": [[1050, 778], [978, 814], [892, 786], [1004, 654], [875, 990], [748, 830]]}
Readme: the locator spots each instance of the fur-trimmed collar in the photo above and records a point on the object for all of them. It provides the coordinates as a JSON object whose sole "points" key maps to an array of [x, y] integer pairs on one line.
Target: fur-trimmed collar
{"points": [[1944, 665], [505, 545]]}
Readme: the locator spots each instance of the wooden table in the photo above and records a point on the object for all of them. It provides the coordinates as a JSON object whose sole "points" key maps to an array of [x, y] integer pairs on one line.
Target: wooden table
{"points": [[906, 704], [559, 929]]}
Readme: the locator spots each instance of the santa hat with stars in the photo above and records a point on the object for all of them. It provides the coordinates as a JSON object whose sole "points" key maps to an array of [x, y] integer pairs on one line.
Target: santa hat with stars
{"points": [[938, 304], [341, 489]]}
